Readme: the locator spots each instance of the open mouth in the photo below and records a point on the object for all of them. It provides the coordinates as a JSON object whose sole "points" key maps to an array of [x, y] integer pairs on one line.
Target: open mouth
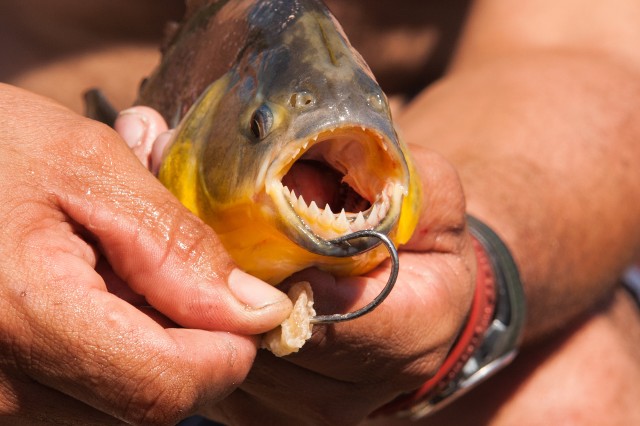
{"points": [[339, 182]]}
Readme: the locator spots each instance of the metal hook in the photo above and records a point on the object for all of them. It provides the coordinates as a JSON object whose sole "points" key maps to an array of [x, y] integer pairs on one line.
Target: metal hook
{"points": [[395, 266]]}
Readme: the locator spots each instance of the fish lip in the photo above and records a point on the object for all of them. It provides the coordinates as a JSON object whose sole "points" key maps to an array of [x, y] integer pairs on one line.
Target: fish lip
{"points": [[302, 224]]}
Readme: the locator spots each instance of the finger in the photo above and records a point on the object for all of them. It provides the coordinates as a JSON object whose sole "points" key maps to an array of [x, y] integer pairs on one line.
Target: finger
{"points": [[161, 250], [115, 285], [119, 288], [410, 332], [60, 327], [139, 126], [69, 334], [441, 227], [100, 350], [355, 367], [159, 149]]}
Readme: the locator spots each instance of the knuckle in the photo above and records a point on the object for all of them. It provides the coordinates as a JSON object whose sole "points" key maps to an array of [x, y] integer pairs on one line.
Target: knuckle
{"points": [[183, 239], [91, 164], [191, 243], [91, 140], [191, 239]]}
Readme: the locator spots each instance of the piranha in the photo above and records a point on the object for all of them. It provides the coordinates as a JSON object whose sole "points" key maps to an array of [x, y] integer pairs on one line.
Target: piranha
{"points": [[284, 140]]}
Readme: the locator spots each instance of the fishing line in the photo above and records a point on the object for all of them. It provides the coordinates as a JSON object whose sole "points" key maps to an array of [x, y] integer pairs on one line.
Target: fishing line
{"points": [[395, 266]]}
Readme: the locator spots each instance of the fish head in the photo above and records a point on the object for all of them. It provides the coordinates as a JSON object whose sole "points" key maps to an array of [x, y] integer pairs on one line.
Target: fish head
{"points": [[295, 147]]}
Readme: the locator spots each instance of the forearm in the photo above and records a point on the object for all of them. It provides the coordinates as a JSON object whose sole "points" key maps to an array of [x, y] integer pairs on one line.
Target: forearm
{"points": [[546, 144], [500, 28]]}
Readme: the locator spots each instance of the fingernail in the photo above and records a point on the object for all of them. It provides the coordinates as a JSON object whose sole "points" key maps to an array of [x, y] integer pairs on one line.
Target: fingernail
{"points": [[252, 291], [132, 127]]}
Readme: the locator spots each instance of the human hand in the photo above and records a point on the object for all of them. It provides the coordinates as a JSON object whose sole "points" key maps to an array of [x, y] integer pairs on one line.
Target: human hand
{"points": [[348, 370], [99, 264]]}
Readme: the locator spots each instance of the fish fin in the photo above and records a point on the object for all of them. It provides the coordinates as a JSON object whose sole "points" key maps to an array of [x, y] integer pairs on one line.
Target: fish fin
{"points": [[98, 107], [180, 170], [179, 173]]}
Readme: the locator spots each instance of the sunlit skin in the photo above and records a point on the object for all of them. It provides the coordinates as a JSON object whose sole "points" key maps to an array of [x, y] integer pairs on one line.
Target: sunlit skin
{"points": [[527, 85]]}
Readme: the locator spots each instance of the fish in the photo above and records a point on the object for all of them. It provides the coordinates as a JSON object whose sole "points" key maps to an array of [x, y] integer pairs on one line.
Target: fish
{"points": [[284, 141]]}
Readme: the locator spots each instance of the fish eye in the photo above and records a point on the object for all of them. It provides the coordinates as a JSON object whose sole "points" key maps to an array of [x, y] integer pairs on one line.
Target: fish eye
{"points": [[261, 122]]}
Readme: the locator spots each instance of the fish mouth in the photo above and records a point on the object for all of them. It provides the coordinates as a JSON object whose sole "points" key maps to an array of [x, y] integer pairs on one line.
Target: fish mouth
{"points": [[335, 183]]}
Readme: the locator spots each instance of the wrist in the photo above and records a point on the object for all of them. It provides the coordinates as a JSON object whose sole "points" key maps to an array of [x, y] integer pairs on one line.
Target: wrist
{"points": [[488, 341]]}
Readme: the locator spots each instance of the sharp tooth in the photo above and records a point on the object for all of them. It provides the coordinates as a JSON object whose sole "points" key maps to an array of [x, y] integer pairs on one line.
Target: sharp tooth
{"points": [[388, 190], [384, 208], [374, 211], [293, 198], [306, 143], [373, 219], [314, 210], [302, 206], [295, 154], [381, 211], [359, 223], [327, 216], [341, 223]]}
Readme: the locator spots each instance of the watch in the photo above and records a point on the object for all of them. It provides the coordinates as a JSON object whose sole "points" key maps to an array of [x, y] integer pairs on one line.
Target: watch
{"points": [[491, 337]]}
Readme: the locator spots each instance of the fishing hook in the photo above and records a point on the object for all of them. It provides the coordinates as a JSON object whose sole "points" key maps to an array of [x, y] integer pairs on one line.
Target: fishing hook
{"points": [[395, 266]]}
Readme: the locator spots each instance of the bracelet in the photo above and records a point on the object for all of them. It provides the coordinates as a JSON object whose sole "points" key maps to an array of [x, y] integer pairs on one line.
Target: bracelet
{"points": [[490, 338]]}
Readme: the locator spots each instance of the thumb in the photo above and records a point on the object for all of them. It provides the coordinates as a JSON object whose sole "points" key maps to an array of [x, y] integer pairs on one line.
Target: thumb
{"points": [[442, 222], [160, 249]]}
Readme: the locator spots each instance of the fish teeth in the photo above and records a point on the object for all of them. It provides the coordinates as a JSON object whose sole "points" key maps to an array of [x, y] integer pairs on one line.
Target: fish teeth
{"points": [[373, 218], [389, 190], [327, 217], [302, 205], [341, 223], [359, 223], [385, 206], [329, 225], [314, 211]]}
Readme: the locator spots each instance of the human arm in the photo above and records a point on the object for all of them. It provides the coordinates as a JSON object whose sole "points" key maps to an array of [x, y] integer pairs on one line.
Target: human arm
{"points": [[539, 115]]}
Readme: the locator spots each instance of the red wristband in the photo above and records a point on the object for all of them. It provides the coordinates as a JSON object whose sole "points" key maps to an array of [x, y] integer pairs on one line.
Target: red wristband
{"points": [[479, 319]]}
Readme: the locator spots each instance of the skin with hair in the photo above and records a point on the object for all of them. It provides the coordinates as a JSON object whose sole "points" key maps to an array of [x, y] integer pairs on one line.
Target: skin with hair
{"points": [[530, 124]]}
